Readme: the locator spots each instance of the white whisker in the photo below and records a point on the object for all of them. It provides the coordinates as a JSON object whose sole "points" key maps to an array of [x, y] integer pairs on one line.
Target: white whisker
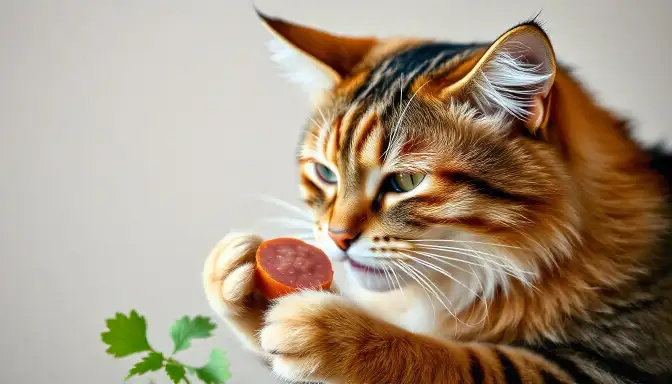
{"points": [[488, 267], [282, 203], [459, 260], [434, 287], [461, 241], [290, 222], [445, 273], [395, 131], [450, 276], [387, 277], [398, 282], [444, 261], [480, 284], [405, 269], [326, 122], [321, 126], [475, 254], [436, 291]]}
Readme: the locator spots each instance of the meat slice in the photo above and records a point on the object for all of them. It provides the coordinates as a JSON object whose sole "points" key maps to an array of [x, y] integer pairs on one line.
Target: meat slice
{"points": [[286, 265]]}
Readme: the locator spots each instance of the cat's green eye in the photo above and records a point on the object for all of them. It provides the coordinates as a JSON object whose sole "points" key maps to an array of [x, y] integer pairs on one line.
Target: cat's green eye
{"points": [[325, 174], [404, 182]]}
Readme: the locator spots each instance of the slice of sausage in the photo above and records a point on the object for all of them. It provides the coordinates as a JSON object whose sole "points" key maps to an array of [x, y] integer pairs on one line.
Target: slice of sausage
{"points": [[286, 265]]}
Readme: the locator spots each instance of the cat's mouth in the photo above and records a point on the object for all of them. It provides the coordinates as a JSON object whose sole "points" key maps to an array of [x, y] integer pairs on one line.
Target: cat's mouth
{"points": [[361, 267]]}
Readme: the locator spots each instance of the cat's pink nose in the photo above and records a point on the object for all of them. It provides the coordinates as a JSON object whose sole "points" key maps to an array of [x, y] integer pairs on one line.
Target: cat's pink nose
{"points": [[342, 238]]}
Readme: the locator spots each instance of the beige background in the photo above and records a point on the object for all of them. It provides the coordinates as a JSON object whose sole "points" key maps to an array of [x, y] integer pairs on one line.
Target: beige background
{"points": [[134, 133]]}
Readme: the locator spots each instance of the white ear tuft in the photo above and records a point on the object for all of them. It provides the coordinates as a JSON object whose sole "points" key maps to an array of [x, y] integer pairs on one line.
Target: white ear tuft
{"points": [[315, 59], [299, 68], [515, 75], [509, 83]]}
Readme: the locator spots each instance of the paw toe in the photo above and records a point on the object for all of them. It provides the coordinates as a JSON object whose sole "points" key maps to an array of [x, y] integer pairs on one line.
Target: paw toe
{"points": [[296, 369], [237, 250], [287, 338], [300, 305], [239, 283]]}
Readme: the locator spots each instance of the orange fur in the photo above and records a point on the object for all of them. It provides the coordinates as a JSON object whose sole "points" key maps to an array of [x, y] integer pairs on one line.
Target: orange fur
{"points": [[343, 344], [565, 189], [618, 194]]}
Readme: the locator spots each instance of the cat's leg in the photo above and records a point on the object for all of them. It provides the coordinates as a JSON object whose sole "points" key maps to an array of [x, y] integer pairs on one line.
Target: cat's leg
{"points": [[228, 280], [317, 336]]}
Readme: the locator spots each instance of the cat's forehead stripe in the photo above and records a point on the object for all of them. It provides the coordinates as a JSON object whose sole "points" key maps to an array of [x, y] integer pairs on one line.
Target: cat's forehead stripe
{"points": [[370, 155], [351, 120], [393, 75], [365, 130], [334, 140]]}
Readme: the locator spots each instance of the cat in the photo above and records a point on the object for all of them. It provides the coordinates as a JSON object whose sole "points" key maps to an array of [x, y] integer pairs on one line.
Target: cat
{"points": [[498, 223]]}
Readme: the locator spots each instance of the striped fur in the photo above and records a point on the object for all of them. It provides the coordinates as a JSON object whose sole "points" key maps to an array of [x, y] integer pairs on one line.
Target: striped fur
{"points": [[535, 250]]}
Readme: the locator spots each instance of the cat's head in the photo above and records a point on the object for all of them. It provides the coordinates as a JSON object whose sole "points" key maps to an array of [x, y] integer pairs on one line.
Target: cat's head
{"points": [[430, 158]]}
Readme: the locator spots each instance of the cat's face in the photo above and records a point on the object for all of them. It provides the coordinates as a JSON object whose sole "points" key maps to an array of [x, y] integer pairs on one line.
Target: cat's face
{"points": [[427, 197], [419, 162]]}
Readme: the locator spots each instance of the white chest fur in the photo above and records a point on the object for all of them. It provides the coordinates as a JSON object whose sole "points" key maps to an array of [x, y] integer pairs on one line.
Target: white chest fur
{"points": [[410, 310]]}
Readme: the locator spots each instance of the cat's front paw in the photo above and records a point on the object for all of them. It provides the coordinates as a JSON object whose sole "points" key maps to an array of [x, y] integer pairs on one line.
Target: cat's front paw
{"points": [[228, 274], [230, 287], [314, 336]]}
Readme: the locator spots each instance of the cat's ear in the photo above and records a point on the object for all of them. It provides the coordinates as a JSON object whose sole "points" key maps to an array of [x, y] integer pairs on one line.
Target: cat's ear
{"points": [[514, 75], [315, 59]]}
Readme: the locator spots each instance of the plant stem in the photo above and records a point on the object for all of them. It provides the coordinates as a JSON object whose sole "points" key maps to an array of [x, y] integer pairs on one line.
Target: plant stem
{"points": [[187, 368]]}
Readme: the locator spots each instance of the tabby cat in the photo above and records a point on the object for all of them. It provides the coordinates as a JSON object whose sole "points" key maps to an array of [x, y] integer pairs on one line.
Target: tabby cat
{"points": [[500, 225]]}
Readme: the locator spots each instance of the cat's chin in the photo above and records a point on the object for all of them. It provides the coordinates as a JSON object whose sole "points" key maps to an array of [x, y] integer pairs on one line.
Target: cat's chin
{"points": [[369, 279]]}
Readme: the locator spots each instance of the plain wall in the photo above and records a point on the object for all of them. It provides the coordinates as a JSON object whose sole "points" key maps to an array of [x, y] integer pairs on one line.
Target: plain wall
{"points": [[134, 135]]}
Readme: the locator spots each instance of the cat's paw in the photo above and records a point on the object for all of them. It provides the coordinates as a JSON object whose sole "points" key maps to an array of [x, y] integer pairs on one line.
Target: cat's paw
{"points": [[313, 336], [228, 274]]}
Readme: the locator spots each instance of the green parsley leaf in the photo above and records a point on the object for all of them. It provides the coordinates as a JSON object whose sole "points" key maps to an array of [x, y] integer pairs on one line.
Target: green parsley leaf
{"points": [[150, 363], [185, 329], [216, 371], [176, 372], [126, 335]]}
